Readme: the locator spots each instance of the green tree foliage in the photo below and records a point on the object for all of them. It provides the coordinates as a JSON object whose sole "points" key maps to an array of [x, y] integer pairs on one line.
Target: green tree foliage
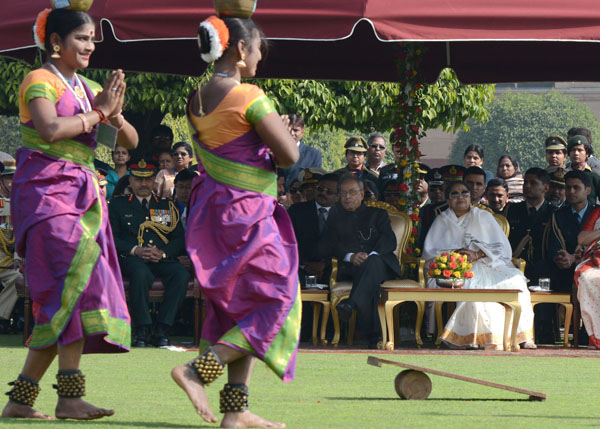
{"points": [[10, 135], [519, 124]]}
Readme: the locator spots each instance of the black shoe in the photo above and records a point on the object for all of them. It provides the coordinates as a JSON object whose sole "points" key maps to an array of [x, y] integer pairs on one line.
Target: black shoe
{"points": [[344, 309], [159, 339], [140, 338]]}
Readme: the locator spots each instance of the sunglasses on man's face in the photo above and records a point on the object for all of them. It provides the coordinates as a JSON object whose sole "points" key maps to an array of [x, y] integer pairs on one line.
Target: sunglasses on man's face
{"points": [[457, 194], [377, 147], [326, 190]]}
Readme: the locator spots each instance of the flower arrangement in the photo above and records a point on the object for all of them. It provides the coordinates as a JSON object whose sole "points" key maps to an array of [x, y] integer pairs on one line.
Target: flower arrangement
{"points": [[450, 266]]}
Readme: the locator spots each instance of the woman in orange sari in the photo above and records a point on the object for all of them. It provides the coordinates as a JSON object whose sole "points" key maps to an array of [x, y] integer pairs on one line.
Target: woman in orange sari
{"points": [[241, 242]]}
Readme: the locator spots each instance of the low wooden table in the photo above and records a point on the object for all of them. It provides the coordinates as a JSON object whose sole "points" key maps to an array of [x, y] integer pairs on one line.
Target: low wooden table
{"points": [[390, 298], [563, 299], [319, 297]]}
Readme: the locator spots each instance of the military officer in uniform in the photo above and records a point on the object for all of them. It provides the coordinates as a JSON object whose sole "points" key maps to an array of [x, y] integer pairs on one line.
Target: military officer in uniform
{"points": [[149, 237], [8, 257]]}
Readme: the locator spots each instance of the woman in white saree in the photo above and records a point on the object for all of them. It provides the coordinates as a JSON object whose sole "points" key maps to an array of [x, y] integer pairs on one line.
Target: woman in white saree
{"points": [[474, 232]]}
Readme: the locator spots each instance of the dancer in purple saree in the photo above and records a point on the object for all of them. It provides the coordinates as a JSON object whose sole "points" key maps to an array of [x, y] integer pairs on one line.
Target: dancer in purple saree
{"points": [[61, 219], [239, 239]]}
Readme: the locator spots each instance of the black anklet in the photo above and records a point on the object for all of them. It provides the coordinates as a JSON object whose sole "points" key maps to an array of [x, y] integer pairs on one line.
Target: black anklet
{"points": [[70, 383], [234, 398], [208, 366], [24, 391]]}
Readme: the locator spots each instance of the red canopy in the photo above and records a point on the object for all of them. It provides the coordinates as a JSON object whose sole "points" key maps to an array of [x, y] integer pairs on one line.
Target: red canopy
{"points": [[484, 41]]}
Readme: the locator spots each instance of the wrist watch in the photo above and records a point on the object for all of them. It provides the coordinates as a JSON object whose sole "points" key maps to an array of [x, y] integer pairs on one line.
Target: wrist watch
{"points": [[164, 255]]}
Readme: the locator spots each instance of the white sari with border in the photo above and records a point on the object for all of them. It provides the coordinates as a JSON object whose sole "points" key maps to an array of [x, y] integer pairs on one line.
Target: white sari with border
{"points": [[479, 323]]}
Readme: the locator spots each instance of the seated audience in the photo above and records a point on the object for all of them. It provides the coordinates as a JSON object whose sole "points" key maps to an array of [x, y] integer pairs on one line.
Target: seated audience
{"points": [[8, 276], [474, 179], [475, 233], [528, 220], [183, 188], [450, 174], [497, 195], [148, 238], [356, 148], [423, 187], [120, 157], [565, 225], [579, 149], [587, 277], [309, 156], [362, 240], [295, 193], [371, 192], [392, 193], [508, 169], [122, 187], [592, 161], [434, 185], [556, 152], [182, 156], [473, 157], [309, 219], [309, 177], [164, 184], [376, 148], [282, 196], [556, 190]]}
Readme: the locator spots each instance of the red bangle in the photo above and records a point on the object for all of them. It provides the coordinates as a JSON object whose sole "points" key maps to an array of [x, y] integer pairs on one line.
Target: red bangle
{"points": [[100, 114]]}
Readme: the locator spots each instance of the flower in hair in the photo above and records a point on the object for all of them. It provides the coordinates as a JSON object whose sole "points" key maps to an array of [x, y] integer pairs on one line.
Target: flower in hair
{"points": [[39, 29], [218, 35]]}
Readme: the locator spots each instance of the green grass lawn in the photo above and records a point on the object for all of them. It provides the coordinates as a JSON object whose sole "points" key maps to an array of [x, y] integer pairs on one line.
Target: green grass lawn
{"points": [[333, 390]]}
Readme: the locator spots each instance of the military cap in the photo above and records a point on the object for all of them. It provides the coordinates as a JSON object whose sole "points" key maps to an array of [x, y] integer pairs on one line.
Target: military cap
{"points": [[9, 166], [555, 142], [356, 143], [142, 168], [434, 177], [452, 172], [577, 140], [311, 175], [423, 168], [557, 177]]}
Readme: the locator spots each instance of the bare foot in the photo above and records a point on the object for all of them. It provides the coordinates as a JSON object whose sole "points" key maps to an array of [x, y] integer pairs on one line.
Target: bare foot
{"points": [[14, 410], [186, 378], [246, 419], [78, 409]]}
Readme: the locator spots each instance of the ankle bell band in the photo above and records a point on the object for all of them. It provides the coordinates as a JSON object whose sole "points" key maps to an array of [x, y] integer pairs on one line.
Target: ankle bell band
{"points": [[24, 391], [70, 384], [234, 398], [208, 366]]}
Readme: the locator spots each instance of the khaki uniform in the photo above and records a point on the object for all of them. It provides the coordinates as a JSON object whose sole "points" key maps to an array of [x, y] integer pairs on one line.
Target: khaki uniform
{"points": [[8, 277]]}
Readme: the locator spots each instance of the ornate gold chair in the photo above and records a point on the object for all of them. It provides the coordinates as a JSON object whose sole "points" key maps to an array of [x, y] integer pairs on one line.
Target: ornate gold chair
{"points": [[340, 290]]}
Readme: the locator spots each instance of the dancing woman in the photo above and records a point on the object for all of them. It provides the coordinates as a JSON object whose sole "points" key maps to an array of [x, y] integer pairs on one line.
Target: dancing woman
{"points": [[61, 220], [241, 242]]}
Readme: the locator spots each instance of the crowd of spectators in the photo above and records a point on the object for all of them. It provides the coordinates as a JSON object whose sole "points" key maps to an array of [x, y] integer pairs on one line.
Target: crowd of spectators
{"points": [[546, 207]]}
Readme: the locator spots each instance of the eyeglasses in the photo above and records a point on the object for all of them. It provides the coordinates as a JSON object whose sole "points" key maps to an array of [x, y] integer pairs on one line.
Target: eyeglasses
{"points": [[294, 190], [326, 190], [182, 154], [355, 153], [457, 194], [351, 192], [377, 147]]}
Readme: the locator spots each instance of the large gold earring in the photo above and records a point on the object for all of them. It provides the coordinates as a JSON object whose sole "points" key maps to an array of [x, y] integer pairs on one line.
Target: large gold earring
{"points": [[56, 50], [241, 63]]}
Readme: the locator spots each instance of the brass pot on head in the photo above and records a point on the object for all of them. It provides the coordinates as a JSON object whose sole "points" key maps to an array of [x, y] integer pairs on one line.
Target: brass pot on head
{"points": [[82, 5], [235, 8]]}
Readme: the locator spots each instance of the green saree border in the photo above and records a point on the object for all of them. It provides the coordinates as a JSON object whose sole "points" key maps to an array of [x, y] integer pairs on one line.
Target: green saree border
{"points": [[237, 174], [99, 321], [67, 150], [78, 276]]}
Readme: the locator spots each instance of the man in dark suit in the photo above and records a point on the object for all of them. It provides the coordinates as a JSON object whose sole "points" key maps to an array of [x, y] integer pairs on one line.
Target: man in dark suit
{"points": [[528, 219], [362, 239], [566, 224], [309, 156], [149, 237], [309, 219]]}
